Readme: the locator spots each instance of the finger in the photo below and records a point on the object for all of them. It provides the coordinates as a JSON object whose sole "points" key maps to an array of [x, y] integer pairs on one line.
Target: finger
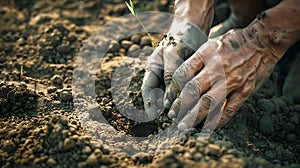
{"points": [[207, 103], [196, 116], [151, 93], [174, 55], [231, 105], [152, 79], [155, 63], [213, 118], [190, 94], [234, 102], [181, 76]]}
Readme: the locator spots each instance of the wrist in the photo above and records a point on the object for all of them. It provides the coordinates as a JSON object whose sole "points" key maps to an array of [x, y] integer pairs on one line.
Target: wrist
{"points": [[186, 32], [198, 12], [276, 29]]}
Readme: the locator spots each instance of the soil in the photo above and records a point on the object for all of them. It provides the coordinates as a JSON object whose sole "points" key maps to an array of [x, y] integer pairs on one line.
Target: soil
{"points": [[44, 122]]}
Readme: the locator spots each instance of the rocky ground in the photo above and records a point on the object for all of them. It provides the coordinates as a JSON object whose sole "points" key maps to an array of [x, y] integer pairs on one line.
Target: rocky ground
{"points": [[45, 122]]}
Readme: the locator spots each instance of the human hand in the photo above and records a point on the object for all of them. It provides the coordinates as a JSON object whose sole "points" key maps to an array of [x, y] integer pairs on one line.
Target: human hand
{"points": [[179, 44], [219, 77]]}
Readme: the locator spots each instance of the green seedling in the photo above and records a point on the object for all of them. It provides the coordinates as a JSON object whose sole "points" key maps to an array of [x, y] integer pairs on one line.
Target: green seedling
{"points": [[131, 7]]}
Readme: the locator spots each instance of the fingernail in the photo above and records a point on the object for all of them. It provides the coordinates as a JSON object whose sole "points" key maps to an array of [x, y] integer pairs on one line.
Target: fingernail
{"points": [[159, 102], [182, 127], [151, 113], [171, 114]]}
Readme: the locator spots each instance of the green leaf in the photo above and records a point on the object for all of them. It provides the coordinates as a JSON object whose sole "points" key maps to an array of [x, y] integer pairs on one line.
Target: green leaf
{"points": [[131, 7]]}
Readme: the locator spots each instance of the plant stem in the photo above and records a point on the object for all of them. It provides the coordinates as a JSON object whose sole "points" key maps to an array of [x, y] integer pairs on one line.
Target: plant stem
{"points": [[145, 29]]}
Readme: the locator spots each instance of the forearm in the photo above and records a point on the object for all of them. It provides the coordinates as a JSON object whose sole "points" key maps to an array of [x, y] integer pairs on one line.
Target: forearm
{"points": [[278, 28], [199, 12]]}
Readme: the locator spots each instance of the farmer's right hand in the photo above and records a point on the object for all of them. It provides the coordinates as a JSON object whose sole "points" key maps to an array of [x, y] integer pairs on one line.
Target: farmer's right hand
{"points": [[175, 47]]}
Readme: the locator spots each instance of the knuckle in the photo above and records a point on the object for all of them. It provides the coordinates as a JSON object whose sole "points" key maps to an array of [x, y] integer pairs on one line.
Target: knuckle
{"points": [[176, 105], [223, 120], [229, 112], [208, 101], [237, 78], [180, 74], [192, 88], [184, 51], [234, 80], [174, 87], [246, 91], [168, 76]]}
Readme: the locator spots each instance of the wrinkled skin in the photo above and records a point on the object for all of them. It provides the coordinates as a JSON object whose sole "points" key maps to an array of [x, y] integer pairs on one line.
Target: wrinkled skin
{"points": [[175, 50], [216, 80], [226, 70], [229, 67]]}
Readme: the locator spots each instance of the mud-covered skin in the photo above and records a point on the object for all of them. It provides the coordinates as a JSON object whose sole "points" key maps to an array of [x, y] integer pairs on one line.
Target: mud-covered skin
{"points": [[167, 58], [232, 67], [175, 47]]}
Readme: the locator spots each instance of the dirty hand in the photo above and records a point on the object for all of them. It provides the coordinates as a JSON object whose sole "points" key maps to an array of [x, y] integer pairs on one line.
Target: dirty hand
{"points": [[220, 76], [175, 47]]}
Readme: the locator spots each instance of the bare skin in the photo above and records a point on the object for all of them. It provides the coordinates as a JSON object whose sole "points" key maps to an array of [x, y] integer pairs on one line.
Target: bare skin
{"points": [[226, 70]]}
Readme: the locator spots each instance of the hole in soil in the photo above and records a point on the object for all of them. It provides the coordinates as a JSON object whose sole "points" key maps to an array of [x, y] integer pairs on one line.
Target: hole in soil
{"points": [[110, 111], [116, 99]]}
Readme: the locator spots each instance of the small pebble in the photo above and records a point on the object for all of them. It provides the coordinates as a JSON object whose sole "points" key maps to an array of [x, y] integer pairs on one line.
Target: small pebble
{"points": [[51, 162], [126, 44], [289, 127], [226, 144], [294, 120], [187, 155], [198, 157], [63, 120], [291, 137], [115, 47], [51, 89], [65, 95], [82, 165], [92, 160], [146, 40], [133, 48], [3, 102], [8, 146], [267, 105], [142, 157], [266, 125], [212, 149], [57, 80], [86, 150], [69, 144], [135, 38]]}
